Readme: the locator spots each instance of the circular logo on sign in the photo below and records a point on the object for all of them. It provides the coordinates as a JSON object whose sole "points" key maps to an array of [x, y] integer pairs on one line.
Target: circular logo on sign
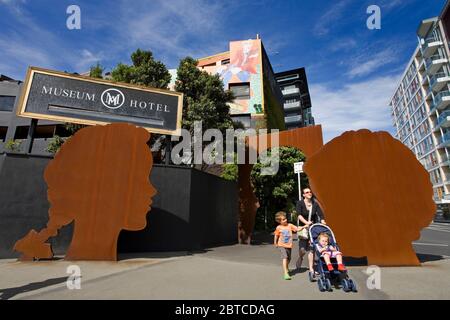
{"points": [[112, 98]]}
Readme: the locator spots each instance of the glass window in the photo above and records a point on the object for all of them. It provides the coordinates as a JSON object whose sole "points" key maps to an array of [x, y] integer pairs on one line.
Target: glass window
{"points": [[7, 103], [240, 90]]}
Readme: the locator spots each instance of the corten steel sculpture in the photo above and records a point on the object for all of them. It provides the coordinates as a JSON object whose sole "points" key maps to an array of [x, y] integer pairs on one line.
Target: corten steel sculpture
{"points": [[99, 180], [375, 194], [308, 139]]}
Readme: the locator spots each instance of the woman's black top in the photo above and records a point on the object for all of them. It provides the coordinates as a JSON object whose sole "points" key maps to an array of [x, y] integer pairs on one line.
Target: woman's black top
{"points": [[316, 212]]}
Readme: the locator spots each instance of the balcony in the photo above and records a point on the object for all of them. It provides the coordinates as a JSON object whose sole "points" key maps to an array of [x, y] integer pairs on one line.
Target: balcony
{"points": [[444, 160], [288, 91], [434, 63], [293, 119], [430, 46], [292, 106], [444, 141], [442, 100], [438, 81], [444, 119]]}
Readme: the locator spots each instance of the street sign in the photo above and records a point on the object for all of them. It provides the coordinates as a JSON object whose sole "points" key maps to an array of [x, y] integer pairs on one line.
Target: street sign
{"points": [[298, 167], [58, 96]]}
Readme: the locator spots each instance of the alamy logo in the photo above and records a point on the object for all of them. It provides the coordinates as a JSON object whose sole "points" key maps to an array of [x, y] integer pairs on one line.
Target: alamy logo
{"points": [[112, 98]]}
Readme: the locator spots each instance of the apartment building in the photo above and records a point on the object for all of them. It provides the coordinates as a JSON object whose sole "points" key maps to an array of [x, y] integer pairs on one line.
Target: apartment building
{"points": [[296, 98], [421, 104]]}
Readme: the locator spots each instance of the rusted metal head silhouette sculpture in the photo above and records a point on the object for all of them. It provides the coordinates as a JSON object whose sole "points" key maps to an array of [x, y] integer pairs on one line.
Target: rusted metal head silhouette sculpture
{"points": [[99, 180], [376, 195]]}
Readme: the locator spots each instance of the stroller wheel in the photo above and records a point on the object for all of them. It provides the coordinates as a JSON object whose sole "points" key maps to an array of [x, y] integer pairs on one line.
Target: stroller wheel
{"points": [[328, 285], [353, 285], [321, 285], [346, 286]]}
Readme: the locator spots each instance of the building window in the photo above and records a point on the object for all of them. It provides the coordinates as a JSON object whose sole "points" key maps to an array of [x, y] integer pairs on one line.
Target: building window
{"points": [[44, 132], [225, 61], [7, 103], [21, 132], [240, 90], [3, 131]]}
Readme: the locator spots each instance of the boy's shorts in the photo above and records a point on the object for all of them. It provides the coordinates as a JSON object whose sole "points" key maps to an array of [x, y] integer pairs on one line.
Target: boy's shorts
{"points": [[285, 253]]}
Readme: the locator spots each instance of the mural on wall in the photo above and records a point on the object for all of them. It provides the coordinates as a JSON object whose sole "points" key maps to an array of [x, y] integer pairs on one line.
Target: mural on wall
{"points": [[244, 67]]}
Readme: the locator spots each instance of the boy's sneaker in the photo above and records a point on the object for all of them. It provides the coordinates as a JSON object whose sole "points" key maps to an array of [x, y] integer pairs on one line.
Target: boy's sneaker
{"points": [[287, 277]]}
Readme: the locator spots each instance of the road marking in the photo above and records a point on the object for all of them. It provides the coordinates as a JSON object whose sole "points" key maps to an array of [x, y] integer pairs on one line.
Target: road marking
{"points": [[431, 244], [439, 230]]}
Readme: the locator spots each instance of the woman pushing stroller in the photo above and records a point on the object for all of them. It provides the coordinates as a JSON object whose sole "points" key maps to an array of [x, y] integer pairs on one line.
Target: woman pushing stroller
{"points": [[309, 212]]}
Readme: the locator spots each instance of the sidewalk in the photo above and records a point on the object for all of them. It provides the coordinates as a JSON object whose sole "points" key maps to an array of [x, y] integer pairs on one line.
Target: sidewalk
{"points": [[230, 272]]}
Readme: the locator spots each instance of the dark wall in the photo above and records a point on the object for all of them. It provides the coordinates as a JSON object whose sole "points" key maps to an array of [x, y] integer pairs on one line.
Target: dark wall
{"points": [[192, 209]]}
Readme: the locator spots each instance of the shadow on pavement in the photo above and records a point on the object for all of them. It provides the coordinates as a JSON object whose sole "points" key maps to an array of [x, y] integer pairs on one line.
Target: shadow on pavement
{"points": [[9, 293], [355, 261], [158, 254], [261, 238], [428, 257]]}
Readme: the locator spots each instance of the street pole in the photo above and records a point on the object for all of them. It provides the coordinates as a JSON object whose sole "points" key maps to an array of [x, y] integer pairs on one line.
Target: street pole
{"points": [[299, 187]]}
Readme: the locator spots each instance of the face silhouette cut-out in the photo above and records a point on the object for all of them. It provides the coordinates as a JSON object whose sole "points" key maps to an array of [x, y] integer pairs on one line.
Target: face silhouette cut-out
{"points": [[99, 180], [375, 194]]}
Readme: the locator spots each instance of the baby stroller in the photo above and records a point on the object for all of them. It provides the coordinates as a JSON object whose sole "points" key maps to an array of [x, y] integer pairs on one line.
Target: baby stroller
{"points": [[326, 278]]}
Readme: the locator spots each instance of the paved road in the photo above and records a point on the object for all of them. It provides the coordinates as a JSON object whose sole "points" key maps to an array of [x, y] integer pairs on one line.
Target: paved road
{"points": [[229, 272], [435, 240]]}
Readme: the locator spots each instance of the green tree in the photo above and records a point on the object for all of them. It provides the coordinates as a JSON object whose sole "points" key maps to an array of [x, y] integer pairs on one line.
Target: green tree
{"points": [[96, 71], [280, 191], [205, 98], [145, 71]]}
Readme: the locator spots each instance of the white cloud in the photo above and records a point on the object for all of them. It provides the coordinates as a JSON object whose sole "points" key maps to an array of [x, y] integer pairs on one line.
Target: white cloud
{"points": [[88, 59], [344, 44], [166, 27], [330, 17], [361, 105], [367, 63]]}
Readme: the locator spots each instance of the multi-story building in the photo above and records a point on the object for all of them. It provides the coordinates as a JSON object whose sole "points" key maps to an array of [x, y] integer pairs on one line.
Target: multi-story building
{"points": [[296, 99], [246, 70], [421, 104]]}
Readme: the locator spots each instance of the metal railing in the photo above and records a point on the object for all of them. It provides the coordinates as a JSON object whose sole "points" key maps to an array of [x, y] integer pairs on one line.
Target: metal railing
{"points": [[439, 97], [292, 105], [290, 91], [430, 60], [438, 75], [293, 119]]}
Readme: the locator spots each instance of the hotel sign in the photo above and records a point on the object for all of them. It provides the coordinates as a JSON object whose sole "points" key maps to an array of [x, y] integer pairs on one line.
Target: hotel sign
{"points": [[58, 96]]}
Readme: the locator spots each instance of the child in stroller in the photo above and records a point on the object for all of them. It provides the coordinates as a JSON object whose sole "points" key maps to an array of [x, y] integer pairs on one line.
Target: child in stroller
{"points": [[329, 263], [327, 252]]}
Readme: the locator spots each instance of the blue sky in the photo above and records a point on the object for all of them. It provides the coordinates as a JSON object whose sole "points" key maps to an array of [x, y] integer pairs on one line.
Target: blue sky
{"points": [[352, 71]]}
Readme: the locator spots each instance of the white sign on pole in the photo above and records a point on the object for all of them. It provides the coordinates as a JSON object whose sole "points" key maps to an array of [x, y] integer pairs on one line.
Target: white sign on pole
{"points": [[298, 167]]}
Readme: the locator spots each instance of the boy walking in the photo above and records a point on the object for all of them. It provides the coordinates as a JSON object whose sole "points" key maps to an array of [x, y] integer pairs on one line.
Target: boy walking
{"points": [[283, 240]]}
